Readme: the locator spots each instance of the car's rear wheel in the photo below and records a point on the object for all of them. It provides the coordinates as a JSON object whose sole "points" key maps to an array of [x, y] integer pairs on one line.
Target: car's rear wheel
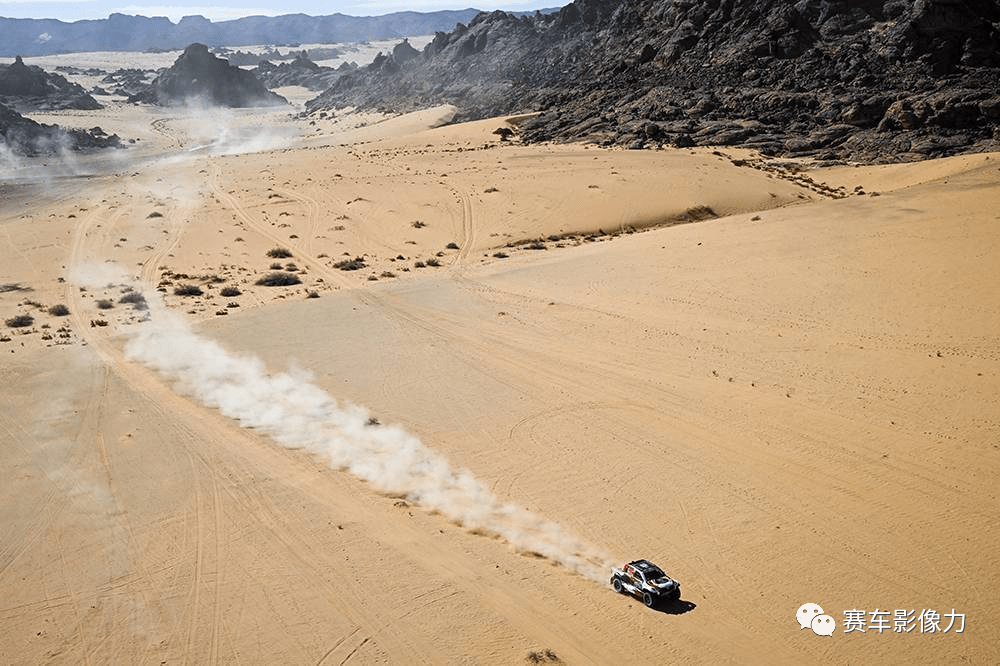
{"points": [[648, 599], [616, 583]]}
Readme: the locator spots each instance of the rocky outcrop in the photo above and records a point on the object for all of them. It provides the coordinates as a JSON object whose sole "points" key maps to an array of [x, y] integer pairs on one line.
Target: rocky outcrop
{"points": [[298, 72], [869, 79], [128, 81], [24, 136], [404, 52], [30, 88], [198, 77]]}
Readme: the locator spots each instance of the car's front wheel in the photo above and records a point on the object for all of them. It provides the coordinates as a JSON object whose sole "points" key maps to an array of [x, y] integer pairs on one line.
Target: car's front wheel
{"points": [[616, 583], [648, 599]]}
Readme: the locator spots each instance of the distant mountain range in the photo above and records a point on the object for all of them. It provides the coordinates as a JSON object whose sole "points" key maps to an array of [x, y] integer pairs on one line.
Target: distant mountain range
{"points": [[120, 32]]}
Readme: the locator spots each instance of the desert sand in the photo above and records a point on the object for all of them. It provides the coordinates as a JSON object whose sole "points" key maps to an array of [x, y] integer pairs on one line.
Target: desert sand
{"points": [[779, 382]]}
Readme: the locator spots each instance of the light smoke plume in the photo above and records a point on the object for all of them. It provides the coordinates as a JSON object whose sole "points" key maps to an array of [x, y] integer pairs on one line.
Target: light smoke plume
{"points": [[218, 130], [10, 162], [39, 158], [298, 414]]}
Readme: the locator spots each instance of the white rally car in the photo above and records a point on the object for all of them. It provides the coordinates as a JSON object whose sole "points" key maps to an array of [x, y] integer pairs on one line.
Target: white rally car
{"points": [[644, 580]]}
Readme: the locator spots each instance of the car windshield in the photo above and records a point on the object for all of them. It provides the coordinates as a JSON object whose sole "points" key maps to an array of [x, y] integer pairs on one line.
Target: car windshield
{"points": [[654, 574]]}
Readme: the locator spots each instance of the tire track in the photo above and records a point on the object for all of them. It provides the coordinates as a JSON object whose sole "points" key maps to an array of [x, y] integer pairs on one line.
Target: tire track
{"points": [[217, 615], [161, 127], [336, 645], [313, 208], [303, 257], [74, 604], [468, 230], [196, 579], [467, 227]]}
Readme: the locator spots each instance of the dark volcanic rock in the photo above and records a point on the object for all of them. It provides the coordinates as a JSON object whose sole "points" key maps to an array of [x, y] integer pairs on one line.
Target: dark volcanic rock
{"points": [[299, 72], [128, 82], [27, 87], [403, 52], [867, 79], [199, 77], [245, 59], [24, 136]]}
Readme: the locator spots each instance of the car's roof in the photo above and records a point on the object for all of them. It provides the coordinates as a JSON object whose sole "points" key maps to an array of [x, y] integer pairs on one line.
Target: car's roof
{"points": [[643, 565]]}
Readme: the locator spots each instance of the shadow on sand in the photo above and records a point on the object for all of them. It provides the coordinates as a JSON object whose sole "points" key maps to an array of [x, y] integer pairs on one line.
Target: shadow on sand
{"points": [[675, 607]]}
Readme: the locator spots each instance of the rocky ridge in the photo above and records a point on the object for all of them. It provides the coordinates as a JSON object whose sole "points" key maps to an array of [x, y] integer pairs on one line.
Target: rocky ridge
{"points": [[197, 76], [874, 80], [127, 82], [24, 136], [30, 88], [300, 72]]}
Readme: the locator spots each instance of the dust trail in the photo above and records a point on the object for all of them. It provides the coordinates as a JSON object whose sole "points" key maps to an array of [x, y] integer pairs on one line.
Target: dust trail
{"points": [[42, 159], [298, 414], [217, 130]]}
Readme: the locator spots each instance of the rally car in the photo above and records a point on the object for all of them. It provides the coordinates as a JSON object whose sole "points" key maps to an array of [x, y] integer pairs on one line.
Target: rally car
{"points": [[644, 580]]}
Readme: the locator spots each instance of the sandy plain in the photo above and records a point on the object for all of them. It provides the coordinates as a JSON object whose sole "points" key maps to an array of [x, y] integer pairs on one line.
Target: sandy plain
{"points": [[780, 383]]}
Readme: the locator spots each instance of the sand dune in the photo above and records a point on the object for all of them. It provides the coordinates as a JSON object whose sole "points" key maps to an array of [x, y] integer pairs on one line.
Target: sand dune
{"points": [[776, 384]]}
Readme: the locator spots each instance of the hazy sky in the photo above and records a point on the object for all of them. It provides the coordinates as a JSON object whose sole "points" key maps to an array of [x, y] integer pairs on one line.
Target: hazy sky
{"points": [[74, 10]]}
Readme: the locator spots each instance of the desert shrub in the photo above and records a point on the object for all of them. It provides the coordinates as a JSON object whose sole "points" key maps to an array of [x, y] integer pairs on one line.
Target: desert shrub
{"points": [[451, 246], [388, 274], [276, 266], [537, 245], [433, 262], [104, 304], [418, 264], [135, 298], [59, 310], [351, 264], [419, 225], [279, 253], [291, 268], [278, 279], [312, 294], [500, 255], [229, 292], [188, 290], [20, 321]]}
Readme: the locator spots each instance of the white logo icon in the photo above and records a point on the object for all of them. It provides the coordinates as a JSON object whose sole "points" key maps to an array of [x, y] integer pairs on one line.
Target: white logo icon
{"points": [[823, 625], [806, 614]]}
